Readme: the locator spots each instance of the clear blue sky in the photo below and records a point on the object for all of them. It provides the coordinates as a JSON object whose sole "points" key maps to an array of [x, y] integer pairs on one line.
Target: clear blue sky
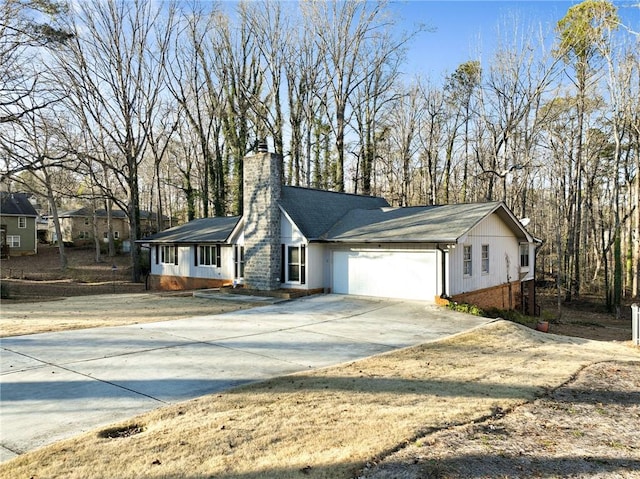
{"points": [[466, 30]]}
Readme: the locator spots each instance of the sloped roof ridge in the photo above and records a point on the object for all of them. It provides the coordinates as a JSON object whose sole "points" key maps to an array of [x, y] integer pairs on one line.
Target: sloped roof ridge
{"points": [[443, 222], [209, 229], [315, 211], [319, 190]]}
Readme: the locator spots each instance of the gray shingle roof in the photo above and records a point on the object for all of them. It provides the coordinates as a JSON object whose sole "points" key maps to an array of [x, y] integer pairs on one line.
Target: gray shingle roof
{"points": [[315, 211], [204, 230], [16, 204], [429, 224], [86, 211]]}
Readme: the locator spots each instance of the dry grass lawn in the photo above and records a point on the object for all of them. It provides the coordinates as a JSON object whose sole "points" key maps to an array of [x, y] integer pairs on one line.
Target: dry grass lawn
{"points": [[81, 312], [332, 422]]}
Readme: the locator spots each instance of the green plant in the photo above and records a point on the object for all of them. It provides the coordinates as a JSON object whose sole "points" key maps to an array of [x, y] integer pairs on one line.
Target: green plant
{"points": [[466, 308]]}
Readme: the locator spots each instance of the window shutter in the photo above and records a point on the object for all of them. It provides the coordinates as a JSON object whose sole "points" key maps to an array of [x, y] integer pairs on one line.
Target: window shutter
{"points": [[283, 250], [303, 264], [218, 256], [175, 255], [235, 261], [157, 254], [195, 255]]}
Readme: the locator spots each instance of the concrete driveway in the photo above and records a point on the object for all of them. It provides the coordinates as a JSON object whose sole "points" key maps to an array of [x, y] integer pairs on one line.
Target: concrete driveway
{"points": [[56, 385]]}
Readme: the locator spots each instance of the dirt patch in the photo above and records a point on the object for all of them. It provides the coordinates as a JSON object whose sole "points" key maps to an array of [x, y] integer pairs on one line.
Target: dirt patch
{"points": [[587, 427], [81, 266], [40, 277], [586, 317]]}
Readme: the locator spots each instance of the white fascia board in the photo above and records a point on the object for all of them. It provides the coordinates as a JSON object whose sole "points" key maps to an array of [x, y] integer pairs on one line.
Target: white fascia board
{"points": [[236, 232], [515, 221]]}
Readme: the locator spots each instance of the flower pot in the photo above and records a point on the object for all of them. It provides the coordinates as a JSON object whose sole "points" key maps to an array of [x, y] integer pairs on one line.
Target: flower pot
{"points": [[542, 326]]}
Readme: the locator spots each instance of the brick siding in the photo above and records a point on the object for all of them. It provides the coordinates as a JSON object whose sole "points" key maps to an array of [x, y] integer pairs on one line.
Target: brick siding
{"points": [[177, 283], [494, 297]]}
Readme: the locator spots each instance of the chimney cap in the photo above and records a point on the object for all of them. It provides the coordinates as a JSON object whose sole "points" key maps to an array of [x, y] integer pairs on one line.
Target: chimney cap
{"points": [[263, 147]]}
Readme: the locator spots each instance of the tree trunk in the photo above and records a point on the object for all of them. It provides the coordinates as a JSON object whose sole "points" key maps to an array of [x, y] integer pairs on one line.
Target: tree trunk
{"points": [[56, 224]]}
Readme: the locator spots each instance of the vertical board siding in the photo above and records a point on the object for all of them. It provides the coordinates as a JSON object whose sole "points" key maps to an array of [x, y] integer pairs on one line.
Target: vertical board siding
{"points": [[502, 243]]}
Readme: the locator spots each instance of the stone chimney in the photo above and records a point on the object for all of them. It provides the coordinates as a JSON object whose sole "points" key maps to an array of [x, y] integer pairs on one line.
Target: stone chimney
{"points": [[262, 185]]}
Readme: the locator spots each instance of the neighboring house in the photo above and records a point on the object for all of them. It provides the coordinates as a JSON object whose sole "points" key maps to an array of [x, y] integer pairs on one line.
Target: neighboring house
{"points": [[77, 225], [18, 232], [300, 238]]}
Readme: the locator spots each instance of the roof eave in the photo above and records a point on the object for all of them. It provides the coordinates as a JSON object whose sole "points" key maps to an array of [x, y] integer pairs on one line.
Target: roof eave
{"points": [[387, 240]]}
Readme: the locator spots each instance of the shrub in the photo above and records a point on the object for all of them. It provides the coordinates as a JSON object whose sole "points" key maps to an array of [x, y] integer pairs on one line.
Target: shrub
{"points": [[466, 308]]}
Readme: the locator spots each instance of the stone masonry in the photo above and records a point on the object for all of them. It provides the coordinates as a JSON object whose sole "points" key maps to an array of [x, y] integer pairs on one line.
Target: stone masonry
{"points": [[262, 185]]}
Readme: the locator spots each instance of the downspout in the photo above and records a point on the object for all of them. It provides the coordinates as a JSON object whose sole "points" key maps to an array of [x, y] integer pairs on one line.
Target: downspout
{"points": [[443, 261]]}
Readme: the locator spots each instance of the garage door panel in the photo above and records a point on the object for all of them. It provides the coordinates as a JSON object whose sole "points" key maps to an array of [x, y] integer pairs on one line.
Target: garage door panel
{"points": [[408, 275]]}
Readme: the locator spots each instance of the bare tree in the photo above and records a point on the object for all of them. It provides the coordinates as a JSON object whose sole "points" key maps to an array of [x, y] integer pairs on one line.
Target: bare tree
{"points": [[21, 35], [193, 83], [431, 137], [114, 68], [344, 32], [404, 120], [578, 33], [270, 26], [235, 60], [460, 89], [36, 152]]}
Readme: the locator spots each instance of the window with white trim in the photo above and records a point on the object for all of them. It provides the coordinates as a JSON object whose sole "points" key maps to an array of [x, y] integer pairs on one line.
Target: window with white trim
{"points": [[467, 265], [13, 241], [238, 261], [209, 255], [485, 259], [22, 222], [296, 264], [524, 255], [169, 254], [116, 235]]}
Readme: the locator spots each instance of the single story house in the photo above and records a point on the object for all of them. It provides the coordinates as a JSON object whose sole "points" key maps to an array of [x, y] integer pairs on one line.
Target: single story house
{"points": [[77, 225], [18, 228], [300, 238]]}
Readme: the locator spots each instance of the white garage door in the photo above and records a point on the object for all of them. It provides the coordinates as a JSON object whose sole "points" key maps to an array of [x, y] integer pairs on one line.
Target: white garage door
{"points": [[390, 274]]}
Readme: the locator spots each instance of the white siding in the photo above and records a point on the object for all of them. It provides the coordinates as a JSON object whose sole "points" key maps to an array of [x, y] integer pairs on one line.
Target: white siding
{"points": [[504, 249], [317, 262], [529, 273], [186, 265], [289, 232], [290, 235]]}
